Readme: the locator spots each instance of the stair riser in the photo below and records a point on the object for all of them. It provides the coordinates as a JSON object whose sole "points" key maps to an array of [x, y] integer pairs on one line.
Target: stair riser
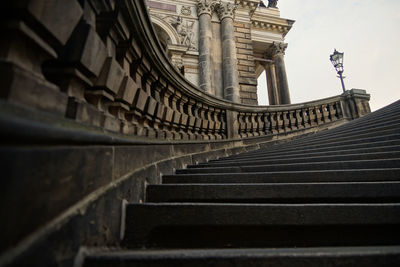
{"points": [[307, 154], [277, 193], [327, 149], [287, 177], [386, 155], [345, 165], [177, 225], [329, 144]]}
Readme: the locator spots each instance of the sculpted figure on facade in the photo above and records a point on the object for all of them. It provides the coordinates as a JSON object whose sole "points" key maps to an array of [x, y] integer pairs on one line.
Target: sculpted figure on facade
{"points": [[185, 31], [272, 3]]}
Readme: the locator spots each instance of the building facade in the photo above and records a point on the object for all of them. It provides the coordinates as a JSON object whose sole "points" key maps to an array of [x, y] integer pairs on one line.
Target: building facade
{"points": [[224, 46]]}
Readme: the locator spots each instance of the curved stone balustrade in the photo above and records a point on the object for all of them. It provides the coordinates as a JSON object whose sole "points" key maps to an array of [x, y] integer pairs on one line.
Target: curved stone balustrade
{"points": [[111, 72]]}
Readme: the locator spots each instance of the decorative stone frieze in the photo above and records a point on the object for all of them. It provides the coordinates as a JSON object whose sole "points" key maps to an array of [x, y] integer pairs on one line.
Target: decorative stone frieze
{"points": [[205, 7], [186, 11], [275, 27]]}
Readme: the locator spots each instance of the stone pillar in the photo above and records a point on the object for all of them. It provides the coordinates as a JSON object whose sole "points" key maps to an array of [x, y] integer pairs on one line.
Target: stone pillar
{"points": [[278, 53], [204, 11], [273, 94], [229, 59]]}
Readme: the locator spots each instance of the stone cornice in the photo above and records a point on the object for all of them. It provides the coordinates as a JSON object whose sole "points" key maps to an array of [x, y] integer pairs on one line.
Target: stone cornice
{"points": [[268, 19], [272, 24], [250, 4]]}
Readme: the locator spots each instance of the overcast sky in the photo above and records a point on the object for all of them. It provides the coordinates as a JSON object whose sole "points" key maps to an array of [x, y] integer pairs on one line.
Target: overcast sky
{"points": [[367, 31]]}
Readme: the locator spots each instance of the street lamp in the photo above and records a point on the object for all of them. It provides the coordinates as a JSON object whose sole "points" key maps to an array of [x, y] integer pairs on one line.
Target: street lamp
{"points": [[337, 61]]}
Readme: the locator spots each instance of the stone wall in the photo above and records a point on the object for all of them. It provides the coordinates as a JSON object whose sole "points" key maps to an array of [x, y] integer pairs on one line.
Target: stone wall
{"points": [[246, 64]]}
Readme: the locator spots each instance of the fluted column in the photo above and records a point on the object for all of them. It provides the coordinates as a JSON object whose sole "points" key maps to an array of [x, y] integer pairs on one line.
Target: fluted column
{"points": [[226, 13], [204, 11], [278, 53], [273, 94]]}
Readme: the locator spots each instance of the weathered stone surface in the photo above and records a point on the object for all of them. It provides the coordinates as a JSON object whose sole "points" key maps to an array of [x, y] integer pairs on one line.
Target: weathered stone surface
{"points": [[42, 182], [57, 16], [86, 49], [111, 76]]}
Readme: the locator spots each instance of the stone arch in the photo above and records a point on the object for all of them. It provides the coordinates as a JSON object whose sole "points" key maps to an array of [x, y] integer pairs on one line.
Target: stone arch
{"points": [[167, 30]]}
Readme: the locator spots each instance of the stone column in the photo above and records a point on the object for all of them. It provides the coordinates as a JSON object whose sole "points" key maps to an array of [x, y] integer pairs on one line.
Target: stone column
{"points": [[273, 94], [204, 11], [229, 59], [278, 53]]}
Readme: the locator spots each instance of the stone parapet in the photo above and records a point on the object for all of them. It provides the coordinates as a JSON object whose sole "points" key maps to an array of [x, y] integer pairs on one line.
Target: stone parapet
{"points": [[101, 77]]}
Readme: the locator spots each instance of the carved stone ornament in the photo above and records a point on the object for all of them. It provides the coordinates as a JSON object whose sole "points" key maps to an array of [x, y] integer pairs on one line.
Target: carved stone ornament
{"points": [[226, 10], [205, 7], [186, 11], [277, 49], [184, 28], [272, 3]]}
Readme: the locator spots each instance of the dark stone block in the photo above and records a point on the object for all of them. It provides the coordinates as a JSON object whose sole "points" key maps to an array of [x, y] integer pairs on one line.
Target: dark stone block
{"points": [[59, 17], [130, 158], [41, 182]]}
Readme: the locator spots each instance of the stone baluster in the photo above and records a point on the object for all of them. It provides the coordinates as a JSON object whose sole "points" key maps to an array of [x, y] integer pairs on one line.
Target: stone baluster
{"points": [[204, 11], [226, 13], [277, 52], [191, 120]]}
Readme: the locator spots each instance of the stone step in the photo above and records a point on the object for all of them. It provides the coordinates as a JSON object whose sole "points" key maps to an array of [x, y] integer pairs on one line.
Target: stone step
{"points": [[335, 138], [360, 175], [199, 225], [329, 142], [307, 154], [301, 159], [362, 192], [351, 133], [317, 165], [274, 257], [309, 149], [377, 129]]}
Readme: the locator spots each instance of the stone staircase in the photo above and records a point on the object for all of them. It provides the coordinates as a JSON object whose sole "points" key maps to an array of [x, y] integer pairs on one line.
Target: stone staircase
{"points": [[327, 199]]}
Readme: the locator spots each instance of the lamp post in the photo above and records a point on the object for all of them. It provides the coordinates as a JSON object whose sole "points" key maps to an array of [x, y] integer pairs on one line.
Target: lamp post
{"points": [[337, 61]]}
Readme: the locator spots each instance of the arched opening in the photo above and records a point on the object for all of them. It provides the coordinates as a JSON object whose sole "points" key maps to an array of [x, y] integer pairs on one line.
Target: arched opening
{"points": [[163, 37]]}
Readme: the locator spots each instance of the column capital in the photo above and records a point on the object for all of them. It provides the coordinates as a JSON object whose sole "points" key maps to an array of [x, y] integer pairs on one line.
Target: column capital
{"points": [[277, 49], [205, 7], [226, 10]]}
